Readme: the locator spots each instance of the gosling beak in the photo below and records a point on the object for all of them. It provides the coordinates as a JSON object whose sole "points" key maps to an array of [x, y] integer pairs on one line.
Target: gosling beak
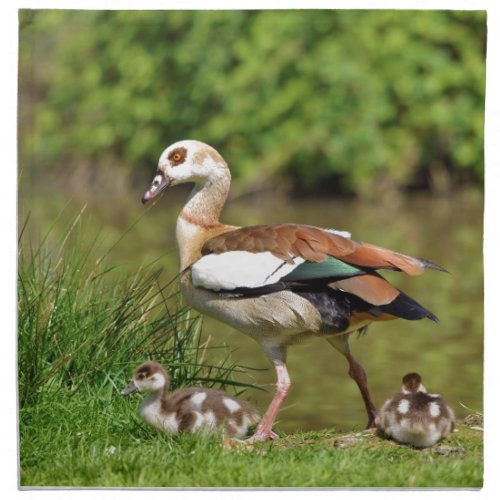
{"points": [[130, 389], [159, 184]]}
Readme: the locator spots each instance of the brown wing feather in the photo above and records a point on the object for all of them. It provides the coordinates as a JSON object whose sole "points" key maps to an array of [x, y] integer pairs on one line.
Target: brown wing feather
{"points": [[372, 289], [313, 244], [305, 250], [285, 241], [367, 255]]}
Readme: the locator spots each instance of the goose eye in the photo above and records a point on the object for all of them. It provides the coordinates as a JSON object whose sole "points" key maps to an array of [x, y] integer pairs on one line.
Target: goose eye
{"points": [[177, 156]]}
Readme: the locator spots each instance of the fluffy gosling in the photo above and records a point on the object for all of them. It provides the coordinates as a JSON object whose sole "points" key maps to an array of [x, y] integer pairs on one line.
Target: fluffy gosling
{"points": [[415, 417], [188, 410]]}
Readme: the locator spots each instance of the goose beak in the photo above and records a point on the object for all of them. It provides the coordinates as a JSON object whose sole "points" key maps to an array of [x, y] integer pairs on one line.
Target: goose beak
{"points": [[130, 389], [159, 184]]}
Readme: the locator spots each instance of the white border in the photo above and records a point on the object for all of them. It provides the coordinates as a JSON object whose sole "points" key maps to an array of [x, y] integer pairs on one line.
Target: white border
{"points": [[256, 4], [8, 94]]}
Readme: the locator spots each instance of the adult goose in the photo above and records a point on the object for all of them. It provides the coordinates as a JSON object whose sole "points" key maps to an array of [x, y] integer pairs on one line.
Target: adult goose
{"points": [[279, 284]]}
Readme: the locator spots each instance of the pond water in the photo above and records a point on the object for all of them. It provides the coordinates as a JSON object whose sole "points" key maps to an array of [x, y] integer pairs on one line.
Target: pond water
{"points": [[446, 230]]}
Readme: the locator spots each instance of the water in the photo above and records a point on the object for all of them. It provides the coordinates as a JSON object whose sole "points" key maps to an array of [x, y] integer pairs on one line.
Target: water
{"points": [[446, 230]]}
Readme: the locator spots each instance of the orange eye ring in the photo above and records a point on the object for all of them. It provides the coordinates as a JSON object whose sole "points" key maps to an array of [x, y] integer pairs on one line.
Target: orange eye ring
{"points": [[176, 157]]}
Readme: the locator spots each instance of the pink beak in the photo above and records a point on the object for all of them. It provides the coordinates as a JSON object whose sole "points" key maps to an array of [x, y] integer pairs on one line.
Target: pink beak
{"points": [[159, 184]]}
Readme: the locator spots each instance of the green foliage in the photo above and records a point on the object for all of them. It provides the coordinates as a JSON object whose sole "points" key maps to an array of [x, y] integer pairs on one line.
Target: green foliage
{"points": [[371, 99]]}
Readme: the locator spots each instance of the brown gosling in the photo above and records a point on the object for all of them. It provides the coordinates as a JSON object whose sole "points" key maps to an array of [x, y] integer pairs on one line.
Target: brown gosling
{"points": [[415, 417], [195, 409]]}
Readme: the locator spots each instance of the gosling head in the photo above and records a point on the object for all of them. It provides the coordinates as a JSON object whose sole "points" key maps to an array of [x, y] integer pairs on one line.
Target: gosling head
{"points": [[412, 382], [149, 377], [187, 161]]}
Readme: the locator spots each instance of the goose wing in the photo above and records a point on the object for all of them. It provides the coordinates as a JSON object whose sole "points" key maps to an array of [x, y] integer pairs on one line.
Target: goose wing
{"points": [[266, 258]]}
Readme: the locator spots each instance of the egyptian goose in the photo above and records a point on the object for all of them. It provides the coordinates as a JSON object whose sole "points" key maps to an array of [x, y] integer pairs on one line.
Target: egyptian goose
{"points": [[188, 410], [415, 417], [282, 283]]}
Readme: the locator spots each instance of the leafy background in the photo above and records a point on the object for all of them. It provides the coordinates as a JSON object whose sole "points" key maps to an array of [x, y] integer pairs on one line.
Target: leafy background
{"points": [[357, 102]]}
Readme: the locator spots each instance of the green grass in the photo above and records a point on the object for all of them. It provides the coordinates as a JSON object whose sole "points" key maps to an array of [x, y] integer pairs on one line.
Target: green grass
{"points": [[96, 439]]}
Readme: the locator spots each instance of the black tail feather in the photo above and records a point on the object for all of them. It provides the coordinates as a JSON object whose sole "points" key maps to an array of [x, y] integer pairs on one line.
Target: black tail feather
{"points": [[431, 265], [407, 308]]}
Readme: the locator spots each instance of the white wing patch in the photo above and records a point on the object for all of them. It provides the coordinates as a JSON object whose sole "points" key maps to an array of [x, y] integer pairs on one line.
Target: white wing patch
{"points": [[403, 406], [198, 398], [345, 234], [230, 270], [434, 409], [231, 405]]}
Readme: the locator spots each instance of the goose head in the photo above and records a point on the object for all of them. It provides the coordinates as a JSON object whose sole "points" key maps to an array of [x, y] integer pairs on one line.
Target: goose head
{"points": [[149, 377], [187, 161], [412, 382]]}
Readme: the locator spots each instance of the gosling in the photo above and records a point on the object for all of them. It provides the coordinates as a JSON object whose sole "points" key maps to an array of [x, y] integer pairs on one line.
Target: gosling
{"points": [[191, 410], [415, 417]]}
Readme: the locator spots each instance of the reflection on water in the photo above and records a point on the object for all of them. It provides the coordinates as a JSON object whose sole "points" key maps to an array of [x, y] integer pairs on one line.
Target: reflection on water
{"points": [[448, 355]]}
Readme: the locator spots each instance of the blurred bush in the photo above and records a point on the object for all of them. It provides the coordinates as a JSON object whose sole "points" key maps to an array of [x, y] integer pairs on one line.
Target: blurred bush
{"points": [[358, 101]]}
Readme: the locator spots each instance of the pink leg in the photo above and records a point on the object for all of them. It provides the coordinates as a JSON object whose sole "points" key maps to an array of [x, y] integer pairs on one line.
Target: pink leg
{"points": [[264, 430]]}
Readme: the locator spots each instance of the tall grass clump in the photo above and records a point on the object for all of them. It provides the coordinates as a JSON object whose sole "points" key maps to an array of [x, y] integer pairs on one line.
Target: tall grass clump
{"points": [[82, 322]]}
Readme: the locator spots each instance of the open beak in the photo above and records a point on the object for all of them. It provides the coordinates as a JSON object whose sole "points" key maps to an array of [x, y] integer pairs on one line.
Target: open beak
{"points": [[159, 184], [130, 389]]}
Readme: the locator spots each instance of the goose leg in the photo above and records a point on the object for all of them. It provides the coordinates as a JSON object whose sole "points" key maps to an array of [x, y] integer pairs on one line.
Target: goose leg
{"points": [[357, 373], [264, 430]]}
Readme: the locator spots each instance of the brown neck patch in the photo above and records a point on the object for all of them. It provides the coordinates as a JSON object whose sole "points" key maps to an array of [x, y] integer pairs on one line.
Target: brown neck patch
{"points": [[205, 222]]}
